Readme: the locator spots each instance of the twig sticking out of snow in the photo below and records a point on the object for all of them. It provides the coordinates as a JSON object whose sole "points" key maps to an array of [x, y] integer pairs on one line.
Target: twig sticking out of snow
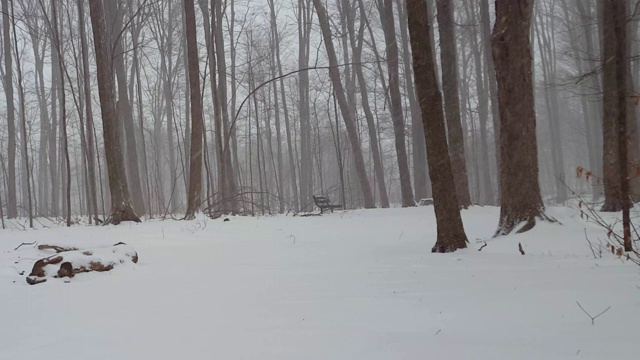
{"points": [[18, 247], [593, 318], [520, 248], [483, 246]]}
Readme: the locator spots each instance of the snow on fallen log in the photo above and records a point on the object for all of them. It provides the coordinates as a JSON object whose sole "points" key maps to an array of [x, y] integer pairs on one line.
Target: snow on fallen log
{"points": [[70, 263]]}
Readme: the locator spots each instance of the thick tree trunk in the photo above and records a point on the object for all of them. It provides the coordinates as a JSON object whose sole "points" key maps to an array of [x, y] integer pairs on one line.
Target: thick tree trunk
{"points": [[347, 114], [618, 10], [449, 61], [197, 128], [451, 235], [521, 203], [611, 109], [121, 209]]}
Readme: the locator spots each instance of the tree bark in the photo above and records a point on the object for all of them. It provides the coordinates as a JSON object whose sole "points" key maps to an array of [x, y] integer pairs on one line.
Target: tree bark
{"points": [[451, 235], [521, 203], [611, 109], [121, 209], [197, 128]]}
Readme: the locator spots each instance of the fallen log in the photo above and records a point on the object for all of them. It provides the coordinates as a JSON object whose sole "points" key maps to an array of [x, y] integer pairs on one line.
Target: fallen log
{"points": [[70, 263]]}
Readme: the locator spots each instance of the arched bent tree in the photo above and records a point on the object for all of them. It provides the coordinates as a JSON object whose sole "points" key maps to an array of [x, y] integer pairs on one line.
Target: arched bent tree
{"points": [[451, 235], [121, 209], [521, 203]]}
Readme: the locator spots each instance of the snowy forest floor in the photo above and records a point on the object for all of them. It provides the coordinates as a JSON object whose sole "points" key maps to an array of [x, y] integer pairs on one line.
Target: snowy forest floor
{"points": [[350, 285]]}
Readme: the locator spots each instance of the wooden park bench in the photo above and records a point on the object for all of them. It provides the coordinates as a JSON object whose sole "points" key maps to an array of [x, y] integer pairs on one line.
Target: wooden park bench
{"points": [[425, 202], [323, 202]]}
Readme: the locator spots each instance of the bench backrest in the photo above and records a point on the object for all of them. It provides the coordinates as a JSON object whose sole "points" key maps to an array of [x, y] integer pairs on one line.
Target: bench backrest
{"points": [[321, 200]]}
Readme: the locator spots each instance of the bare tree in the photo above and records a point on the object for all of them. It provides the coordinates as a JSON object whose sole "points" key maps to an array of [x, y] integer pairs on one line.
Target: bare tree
{"points": [[347, 113], [23, 121], [195, 164], [618, 17], [451, 235], [521, 202], [115, 13], [357, 45], [388, 25], [121, 209], [91, 164], [449, 61], [12, 207]]}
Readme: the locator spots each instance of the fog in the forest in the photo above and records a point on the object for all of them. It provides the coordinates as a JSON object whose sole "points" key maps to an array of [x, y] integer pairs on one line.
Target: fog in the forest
{"points": [[275, 131]]}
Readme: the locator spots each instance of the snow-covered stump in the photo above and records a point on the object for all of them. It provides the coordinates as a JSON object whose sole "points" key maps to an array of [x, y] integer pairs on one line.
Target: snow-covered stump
{"points": [[70, 263]]}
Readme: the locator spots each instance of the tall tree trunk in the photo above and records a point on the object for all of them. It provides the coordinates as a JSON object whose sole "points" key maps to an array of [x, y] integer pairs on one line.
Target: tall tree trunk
{"points": [[485, 21], [63, 114], [12, 206], [197, 128], [347, 114], [451, 235], [91, 165], [273, 64], [222, 86], [121, 209], [418, 147], [116, 18], [486, 189], [618, 10], [397, 117], [285, 110], [611, 110], [521, 202], [356, 45], [593, 56], [306, 160], [23, 123], [56, 80], [449, 61]]}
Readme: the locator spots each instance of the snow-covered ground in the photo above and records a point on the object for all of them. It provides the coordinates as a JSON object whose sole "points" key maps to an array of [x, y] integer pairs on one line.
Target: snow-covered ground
{"points": [[349, 285]]}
